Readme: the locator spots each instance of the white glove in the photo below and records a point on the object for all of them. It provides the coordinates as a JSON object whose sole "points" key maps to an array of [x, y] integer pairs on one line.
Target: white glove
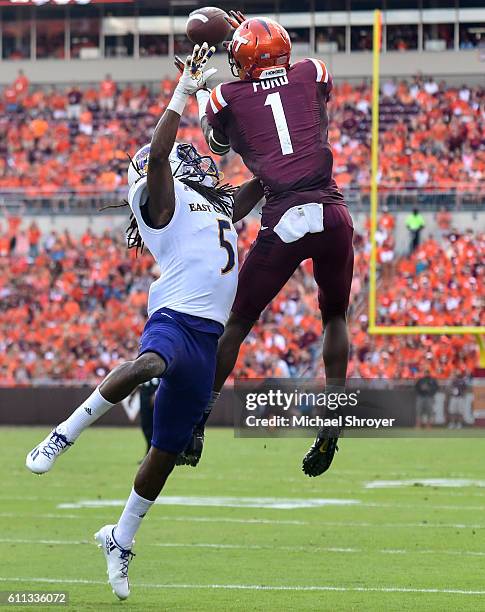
{"points": [[193, 77]]}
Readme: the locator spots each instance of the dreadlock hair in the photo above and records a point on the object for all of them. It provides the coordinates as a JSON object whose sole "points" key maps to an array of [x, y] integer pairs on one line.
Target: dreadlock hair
{"points": [[220, 197], [133, 236]]}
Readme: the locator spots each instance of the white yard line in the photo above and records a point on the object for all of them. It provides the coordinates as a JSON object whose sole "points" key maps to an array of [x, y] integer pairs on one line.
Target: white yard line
{"points": [[272, 503], [275, 503], [255, 521], [211, 545], [41, 515], [254, 587], [425, 482], [310, 503], [427, 506], [316, 523], [41, 541]]}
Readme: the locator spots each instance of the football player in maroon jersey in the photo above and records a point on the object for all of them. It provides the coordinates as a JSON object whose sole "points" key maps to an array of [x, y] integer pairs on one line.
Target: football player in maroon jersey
{"points": [[275, 117]]}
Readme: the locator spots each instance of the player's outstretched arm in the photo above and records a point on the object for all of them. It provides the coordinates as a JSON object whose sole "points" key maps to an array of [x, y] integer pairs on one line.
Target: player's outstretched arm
{"points": [[246, 198], [215, 140], [161, 192]]}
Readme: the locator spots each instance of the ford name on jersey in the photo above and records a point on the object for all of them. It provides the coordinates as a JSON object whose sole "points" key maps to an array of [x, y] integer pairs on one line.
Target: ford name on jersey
{"points": [[270, 83], [196, 254]]}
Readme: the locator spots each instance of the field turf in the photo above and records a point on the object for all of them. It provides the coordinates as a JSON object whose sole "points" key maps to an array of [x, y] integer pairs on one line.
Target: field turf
{"points": [[406, 548]]}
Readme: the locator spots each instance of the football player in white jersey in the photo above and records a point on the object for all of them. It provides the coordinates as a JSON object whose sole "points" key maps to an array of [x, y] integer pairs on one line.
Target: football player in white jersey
{"points": [[186, 220]]}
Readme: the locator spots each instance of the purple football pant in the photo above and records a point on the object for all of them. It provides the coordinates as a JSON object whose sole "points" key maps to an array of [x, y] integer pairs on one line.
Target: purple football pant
{"points": [[270, 263]]}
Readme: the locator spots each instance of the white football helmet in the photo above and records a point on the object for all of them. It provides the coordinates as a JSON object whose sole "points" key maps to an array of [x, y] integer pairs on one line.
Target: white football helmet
{"points": [[184, 161]]}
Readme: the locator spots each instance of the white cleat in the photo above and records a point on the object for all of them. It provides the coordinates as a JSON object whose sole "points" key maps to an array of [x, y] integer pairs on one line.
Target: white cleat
{"points": [[117, 558], [41, 459]]}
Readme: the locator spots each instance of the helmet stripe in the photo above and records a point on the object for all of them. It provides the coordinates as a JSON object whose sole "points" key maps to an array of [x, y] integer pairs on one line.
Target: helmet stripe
{"points": [[265, 26]]}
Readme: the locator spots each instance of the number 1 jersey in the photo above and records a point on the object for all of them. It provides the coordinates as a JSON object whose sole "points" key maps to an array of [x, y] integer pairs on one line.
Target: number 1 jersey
{"points": [[279, 126]]}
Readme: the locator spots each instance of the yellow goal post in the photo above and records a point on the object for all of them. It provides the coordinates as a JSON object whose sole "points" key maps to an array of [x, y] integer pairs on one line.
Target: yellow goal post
{"points": [[374, 328]]}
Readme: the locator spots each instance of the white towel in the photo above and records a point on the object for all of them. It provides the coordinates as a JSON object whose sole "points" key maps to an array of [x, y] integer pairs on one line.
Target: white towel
{"points": [[300, 220]]}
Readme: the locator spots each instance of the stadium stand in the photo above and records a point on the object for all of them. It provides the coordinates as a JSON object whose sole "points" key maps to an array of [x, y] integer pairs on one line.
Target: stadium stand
{"points": [[76, 141], [55, 290]]}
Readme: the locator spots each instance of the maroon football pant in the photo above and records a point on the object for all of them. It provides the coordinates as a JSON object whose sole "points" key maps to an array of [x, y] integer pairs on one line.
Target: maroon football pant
{"points": [[271, 262]]}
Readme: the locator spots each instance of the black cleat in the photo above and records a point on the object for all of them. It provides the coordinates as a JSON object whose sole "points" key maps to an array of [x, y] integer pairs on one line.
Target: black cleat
{"points": [[320, 456], [193, 451]]}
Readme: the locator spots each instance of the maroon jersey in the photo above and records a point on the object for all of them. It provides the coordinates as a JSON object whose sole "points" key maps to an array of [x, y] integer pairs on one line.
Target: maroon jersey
{"points": [[279, 126]]}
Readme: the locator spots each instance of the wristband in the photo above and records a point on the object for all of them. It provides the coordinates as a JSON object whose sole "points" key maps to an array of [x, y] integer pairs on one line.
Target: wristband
{"points": [[202, 96], [178, 101]]}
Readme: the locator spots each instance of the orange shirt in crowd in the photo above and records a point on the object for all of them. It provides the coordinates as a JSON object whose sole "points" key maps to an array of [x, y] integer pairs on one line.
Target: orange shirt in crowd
{"points": [[13, 225], [34, 234], [21, 85], [107, 88]]}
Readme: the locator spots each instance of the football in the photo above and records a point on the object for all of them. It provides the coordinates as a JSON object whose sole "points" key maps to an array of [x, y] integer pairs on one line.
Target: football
{"points": [[208, 24]]}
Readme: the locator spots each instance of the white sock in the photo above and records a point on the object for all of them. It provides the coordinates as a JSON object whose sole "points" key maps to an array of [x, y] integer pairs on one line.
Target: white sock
{"points": [[130, 519], [88, 412]]}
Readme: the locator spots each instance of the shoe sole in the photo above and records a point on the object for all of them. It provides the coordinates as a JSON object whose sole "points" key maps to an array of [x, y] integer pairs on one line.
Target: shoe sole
{"points": [[317, 462], [315, 467]]}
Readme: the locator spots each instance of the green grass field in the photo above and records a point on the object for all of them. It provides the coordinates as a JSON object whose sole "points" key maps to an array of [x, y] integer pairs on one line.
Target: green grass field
{"points": [[406, 548]]}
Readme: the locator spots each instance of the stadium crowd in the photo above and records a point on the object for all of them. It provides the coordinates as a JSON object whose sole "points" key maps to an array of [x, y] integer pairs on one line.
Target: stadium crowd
{"points": [[55, 140], [71, 309]]}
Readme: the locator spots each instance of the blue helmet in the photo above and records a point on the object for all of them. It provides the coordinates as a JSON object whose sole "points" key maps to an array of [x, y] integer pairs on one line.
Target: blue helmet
{"points": [[185, 162]]}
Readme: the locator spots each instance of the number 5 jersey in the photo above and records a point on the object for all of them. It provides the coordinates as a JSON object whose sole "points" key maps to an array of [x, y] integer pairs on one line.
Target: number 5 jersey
{"points": [[196, 253]]}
